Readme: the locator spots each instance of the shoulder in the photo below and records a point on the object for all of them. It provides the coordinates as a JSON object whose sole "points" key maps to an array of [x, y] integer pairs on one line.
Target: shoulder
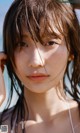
{"points": [[75, 115], [74, 108]]}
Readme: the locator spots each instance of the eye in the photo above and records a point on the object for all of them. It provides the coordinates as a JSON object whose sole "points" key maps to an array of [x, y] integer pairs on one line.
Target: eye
{"points": [[22, 44], [50, 43]]}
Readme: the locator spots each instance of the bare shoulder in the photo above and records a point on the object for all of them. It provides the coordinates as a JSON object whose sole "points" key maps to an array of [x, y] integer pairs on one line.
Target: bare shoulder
{"points": [[75, 114], [74, 108], [73, 104]]}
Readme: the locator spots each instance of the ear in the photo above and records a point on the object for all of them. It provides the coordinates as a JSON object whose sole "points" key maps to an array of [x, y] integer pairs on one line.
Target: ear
{"points": [[71, 57]]}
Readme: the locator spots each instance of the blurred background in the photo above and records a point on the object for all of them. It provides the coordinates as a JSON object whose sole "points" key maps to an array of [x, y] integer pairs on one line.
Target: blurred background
{"points": [[4, 5]]}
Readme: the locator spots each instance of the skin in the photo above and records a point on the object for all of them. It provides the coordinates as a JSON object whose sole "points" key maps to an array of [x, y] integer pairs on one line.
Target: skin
{"points": [[49, 58], [46, 62], [47, 103], [45, 98]]}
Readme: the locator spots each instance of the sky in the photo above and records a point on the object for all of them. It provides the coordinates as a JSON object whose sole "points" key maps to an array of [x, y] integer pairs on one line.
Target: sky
{"points": [[4, 5]]}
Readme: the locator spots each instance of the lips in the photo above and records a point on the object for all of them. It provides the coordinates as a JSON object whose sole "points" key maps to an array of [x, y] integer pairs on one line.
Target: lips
{"points": [[38, 77]]}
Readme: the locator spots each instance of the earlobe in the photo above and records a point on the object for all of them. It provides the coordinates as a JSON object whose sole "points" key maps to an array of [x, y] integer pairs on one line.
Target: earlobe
{"points": [[71, 57]]}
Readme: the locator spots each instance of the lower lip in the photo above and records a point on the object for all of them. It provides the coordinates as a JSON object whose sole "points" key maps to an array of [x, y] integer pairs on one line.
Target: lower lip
{"points": [[38, 78]]}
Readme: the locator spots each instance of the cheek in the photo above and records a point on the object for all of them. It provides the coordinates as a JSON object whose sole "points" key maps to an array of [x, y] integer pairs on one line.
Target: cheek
{"points": [[19, 62], [58, 57]]}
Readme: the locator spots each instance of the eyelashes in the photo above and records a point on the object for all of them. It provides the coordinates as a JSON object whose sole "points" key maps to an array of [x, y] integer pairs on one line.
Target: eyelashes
{"points": [[22, 44], [50, 43]]}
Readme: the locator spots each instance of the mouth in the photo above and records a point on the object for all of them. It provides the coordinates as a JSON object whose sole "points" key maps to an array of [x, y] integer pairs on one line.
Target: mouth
{"points": [[38, 77]]}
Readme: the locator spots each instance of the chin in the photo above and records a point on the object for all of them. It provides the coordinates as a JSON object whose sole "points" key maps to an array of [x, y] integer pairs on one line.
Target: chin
{"points": [[37, 89]]}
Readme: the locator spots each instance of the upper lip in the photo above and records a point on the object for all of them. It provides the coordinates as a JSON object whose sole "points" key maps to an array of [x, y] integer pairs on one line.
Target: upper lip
{"points": [[38, 75]]}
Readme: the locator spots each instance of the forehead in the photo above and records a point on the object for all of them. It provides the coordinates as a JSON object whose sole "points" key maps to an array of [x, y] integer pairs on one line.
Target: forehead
{"points": [[52, 28], [49, 30]]}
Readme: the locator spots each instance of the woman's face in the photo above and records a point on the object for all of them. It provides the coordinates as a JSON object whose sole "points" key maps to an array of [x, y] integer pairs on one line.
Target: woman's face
{"points": [[41, 67]]}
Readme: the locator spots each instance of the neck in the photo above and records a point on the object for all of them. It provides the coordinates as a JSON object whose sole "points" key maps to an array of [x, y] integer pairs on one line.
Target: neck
{"points": [[42, 106]]}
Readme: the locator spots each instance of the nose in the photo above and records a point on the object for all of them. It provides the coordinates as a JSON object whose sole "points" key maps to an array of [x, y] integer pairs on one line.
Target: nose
{"points": [[36, 59]]}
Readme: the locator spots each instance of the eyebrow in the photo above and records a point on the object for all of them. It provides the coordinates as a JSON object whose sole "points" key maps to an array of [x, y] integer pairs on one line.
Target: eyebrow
{"points": [[25, 35], [52, 36]]}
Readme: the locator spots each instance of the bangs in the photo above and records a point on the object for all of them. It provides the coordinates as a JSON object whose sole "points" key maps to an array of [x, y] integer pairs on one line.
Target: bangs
{"points": [[39, 23], [51, 19]]}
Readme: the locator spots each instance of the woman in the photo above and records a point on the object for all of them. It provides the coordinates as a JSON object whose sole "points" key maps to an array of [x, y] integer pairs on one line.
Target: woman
{"points": [[41, 39]]}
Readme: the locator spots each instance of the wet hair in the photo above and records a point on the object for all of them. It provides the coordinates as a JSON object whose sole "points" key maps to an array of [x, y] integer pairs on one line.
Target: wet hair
{"points": [[29, 14]]}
